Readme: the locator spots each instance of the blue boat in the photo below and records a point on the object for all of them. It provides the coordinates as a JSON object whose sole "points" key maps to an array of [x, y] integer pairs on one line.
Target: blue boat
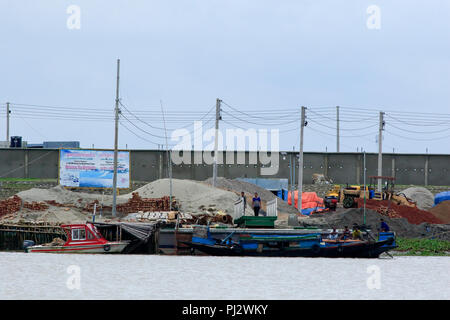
{"points": [[276, 245]]}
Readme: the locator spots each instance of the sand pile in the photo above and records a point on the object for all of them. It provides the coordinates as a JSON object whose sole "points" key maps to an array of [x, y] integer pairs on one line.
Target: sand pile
{"points": [[238, 186], [63, 196], [423, 198], [442, 211], [192, 196], [67, 206], [401, 226]]}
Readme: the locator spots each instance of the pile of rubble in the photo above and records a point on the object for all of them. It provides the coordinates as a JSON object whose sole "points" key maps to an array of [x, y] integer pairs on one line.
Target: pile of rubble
{"points": [[10, 205], [137, 204], [182, 218]]}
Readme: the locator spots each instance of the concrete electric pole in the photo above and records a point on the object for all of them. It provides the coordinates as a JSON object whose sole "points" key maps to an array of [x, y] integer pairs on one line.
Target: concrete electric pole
{"points": [[216, 141], [380, 150], [7, 121], [116, 140], [337, 128], [300, 160]]}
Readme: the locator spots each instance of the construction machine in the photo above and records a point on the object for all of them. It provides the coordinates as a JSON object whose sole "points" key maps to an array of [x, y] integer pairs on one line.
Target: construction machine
{"points": [[347, 195]]}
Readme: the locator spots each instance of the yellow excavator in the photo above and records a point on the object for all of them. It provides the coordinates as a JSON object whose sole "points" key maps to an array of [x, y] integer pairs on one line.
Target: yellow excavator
{"points": [[347, 195]]}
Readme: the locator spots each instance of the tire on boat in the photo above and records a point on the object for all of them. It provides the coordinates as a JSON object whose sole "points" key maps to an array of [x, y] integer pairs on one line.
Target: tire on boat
{"points": [[106, 247], [315, 248]]}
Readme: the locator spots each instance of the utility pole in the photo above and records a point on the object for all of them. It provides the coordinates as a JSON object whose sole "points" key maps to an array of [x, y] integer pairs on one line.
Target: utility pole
{"points": [[364, 221], [300, 160], [290, 175], [216, 141], [337, 128], [380, 150], [116, 139], [293, 177], [169, 158], [7, 121]]}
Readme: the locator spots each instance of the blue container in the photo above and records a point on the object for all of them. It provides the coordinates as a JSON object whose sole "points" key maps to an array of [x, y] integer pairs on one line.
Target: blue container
{"points": [[371, 194], [386, 235]]}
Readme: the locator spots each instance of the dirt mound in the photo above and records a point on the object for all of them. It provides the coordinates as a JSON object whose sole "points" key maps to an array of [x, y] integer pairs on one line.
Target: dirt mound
{"points": [[442, 211], [392, 210], [401, 226], [60, 205], [423, 198], [192, 196], [238, 186]]}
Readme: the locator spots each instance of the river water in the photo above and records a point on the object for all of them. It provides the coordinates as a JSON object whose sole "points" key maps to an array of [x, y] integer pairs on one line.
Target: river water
{"points": [[63, 276]]}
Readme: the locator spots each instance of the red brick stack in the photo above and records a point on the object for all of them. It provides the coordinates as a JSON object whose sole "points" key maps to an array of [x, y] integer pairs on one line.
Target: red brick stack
{"points": [[56, 204], [136, 203], [10, 205], [36, 206]]}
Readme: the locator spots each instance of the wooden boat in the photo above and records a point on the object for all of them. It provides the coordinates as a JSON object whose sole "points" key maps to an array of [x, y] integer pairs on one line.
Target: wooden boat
{"points": [[309, 245], [81, 238]]}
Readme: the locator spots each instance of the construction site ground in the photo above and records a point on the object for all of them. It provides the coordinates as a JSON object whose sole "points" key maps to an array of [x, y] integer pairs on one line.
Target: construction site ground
{"points": [[45, 202]]}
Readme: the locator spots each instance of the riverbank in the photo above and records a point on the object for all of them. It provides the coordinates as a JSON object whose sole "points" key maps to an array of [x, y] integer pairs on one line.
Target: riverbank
{"points": [[421, 247]]}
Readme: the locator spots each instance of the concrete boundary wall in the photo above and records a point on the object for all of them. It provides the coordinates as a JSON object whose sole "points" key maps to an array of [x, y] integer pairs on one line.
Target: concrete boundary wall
{"points": [[149, 165]]}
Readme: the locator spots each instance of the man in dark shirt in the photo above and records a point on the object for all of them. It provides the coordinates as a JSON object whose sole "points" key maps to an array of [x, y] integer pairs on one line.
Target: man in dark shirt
{"points": [[383, 226], [244, 200], [346, 234], [256, 204]]}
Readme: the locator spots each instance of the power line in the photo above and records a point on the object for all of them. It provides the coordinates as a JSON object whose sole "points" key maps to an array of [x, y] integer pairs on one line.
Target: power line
{"points": [[347, 129], [417, 139]]}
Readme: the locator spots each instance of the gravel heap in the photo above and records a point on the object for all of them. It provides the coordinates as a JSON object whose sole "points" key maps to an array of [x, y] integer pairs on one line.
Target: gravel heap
{"points": [[423, 198], [193, 196], [347, 217], [442, 211]]}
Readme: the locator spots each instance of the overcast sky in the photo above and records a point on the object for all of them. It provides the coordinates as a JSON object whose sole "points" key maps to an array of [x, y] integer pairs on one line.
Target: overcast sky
{"points": [[253, 54]]}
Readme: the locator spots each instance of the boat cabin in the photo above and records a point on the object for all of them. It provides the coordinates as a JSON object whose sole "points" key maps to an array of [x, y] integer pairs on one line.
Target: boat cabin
{"points": [[77, 233]]}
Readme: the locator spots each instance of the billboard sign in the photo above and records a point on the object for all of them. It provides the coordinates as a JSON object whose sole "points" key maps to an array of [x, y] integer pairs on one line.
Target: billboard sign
{"points": [[93, 168]]}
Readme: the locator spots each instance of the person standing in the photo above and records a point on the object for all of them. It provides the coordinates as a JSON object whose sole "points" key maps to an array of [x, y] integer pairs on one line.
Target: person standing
{"points": [[256, 204], [244, 200]]}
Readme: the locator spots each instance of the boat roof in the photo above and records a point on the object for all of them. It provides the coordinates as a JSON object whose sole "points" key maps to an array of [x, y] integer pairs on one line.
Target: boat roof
{"points": [[77, 225]]}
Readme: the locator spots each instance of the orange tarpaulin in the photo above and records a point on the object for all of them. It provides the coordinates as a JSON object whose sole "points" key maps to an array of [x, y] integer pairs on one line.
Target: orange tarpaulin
{"points": [[309, 200]]}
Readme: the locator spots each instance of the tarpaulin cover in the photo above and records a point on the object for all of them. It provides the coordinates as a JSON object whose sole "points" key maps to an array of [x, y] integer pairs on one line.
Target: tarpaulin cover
{"points": [[442, 196], [310, 202], [142, 231]]}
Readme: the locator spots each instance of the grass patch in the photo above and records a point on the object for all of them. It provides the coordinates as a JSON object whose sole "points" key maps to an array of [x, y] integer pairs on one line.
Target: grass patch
{"points": [[423, 247]]}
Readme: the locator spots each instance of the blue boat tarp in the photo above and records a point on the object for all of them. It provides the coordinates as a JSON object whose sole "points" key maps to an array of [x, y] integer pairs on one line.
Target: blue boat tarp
{"points": [[443, 196], [308, 211]]}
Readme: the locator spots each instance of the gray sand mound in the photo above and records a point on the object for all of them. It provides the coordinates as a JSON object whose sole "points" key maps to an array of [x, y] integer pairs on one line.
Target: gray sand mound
{"points": [[401, 226], [421, 196], [192, 195]]}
